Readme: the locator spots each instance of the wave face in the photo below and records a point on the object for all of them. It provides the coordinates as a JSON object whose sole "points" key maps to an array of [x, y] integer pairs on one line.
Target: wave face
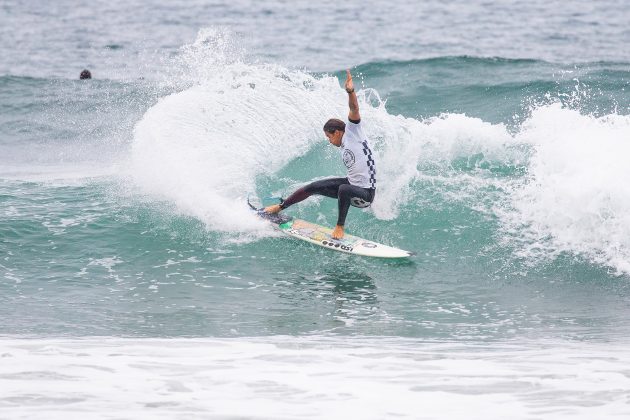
{"points": [[256, 129]]}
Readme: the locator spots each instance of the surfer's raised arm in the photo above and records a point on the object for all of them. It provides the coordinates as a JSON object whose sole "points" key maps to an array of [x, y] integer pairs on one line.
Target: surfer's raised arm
{"points": [[358, 187], [353, 103]]}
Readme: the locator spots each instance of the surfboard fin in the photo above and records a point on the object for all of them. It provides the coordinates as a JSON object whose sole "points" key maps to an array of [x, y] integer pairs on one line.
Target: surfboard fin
{"points": [[251, 206]]}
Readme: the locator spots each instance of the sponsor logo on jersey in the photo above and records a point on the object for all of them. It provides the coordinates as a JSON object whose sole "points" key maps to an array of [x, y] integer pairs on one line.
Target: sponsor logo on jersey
{"points": [[348, 158]]}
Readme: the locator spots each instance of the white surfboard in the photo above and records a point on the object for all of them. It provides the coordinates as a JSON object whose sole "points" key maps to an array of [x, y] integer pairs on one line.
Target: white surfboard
{"points": [[320, 235]]}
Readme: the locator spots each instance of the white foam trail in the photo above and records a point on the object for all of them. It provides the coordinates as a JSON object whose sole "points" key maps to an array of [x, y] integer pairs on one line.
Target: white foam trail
{"points": [[204, 147], [576, 197], [314, 377]]}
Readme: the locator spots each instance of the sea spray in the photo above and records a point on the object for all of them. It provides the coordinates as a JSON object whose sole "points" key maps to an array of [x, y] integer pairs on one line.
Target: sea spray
{"points": [[576, 197], [204, 147]]}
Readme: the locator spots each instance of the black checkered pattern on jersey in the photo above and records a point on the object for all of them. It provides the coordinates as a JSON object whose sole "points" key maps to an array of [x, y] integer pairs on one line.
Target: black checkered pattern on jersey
{"points": [[370, 163]]}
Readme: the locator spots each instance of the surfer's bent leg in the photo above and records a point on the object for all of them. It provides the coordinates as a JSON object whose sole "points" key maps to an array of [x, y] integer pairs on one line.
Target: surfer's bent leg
{"points": [[327, 187], [352, 195]]}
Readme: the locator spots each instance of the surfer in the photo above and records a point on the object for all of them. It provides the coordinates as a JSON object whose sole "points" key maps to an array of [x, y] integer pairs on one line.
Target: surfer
{"points": [[358, 187]]}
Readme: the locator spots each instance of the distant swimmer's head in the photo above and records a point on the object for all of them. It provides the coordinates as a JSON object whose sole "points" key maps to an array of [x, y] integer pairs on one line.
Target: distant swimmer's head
{"points": [[334, 130], [85, 74]]}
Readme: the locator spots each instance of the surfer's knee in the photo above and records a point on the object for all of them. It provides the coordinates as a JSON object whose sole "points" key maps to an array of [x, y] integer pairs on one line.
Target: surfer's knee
{"points": [[344, 190], [345, 195]]}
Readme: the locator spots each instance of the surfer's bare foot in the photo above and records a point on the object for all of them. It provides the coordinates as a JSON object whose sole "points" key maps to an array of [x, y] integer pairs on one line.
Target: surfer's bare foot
{"points": [[273, 209], [337, 232]]}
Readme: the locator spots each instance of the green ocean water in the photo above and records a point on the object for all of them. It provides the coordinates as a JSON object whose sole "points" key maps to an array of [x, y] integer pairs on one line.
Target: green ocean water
{"points": [[88, 249]]}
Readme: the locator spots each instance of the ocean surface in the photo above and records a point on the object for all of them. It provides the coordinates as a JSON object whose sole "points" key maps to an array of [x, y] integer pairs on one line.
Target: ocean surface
{"points": [[135, 282]]}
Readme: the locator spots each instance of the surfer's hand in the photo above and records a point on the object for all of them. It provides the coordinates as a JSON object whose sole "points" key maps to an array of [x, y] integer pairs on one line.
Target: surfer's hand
{"points": [[337, 232], [273, 209], [349, 85]]}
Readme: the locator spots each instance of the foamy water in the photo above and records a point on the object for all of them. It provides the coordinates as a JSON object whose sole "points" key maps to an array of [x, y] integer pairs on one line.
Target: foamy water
{"points": [[576, 198], [203, 148], [312, 377]]}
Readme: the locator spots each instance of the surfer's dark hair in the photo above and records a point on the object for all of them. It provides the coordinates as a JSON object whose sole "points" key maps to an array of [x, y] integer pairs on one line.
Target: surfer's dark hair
{"points": [[333, 125]]}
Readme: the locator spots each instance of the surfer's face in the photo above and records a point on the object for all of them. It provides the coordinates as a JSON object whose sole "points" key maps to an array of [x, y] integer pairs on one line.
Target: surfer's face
{"points": [[334, 138]]}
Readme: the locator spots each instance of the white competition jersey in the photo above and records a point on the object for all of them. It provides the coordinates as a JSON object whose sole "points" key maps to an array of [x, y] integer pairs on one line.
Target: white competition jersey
{"points": [[357, 156]]}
